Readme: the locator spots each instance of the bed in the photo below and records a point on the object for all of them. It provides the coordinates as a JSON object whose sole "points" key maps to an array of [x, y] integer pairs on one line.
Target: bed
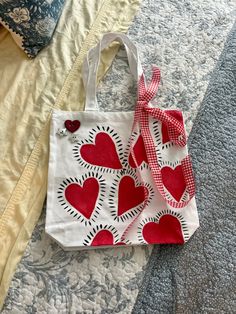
{"points": [[185, 41]]}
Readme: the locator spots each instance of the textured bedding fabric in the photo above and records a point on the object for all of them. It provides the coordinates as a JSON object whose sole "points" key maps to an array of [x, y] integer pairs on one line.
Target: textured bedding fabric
{"points": [[31, 23], [185, 40], [200, 277], [29, 90]]}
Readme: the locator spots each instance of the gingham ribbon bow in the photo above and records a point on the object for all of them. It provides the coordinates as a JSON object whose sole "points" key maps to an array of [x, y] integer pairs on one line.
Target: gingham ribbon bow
{"points": [[175, 129], [176, 134]]}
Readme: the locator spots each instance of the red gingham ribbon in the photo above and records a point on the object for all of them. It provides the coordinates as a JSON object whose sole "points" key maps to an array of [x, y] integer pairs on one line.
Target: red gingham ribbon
{"points": [[176, 134]]}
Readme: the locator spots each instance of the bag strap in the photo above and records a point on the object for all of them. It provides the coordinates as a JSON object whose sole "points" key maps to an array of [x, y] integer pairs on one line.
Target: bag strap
{"points": [[91, 63], [144, 111], [176, 132]]}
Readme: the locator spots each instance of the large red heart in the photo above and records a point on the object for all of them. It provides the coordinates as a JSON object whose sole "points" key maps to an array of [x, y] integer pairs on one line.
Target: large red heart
{"points": [[72, 126], [168, 230], [104, 237], [164, 129], [139, 153], [103, 153], [173, 180], [83, 198], [129, 196]]}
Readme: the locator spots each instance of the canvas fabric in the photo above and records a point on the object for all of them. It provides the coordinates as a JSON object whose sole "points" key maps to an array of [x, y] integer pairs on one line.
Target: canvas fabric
{"points": [[119, 178]]}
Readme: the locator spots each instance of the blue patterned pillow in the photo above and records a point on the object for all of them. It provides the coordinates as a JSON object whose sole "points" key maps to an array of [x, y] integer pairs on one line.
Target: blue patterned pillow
{"points": [[31, 22]]}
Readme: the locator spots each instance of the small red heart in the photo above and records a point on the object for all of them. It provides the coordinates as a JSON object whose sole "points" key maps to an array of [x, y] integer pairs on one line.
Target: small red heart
{"points": [[104, 237], [139, 153], [168, 230], [72, 126], [83, 198], [173, 180], [103, 153], [129, 196]]}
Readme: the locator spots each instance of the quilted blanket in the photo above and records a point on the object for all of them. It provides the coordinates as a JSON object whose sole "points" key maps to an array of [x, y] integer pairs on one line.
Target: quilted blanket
{"points": [[200, 277]]}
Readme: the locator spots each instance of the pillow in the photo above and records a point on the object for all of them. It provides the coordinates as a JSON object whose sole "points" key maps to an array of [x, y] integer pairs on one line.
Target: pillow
{"points": [[31, 22]]}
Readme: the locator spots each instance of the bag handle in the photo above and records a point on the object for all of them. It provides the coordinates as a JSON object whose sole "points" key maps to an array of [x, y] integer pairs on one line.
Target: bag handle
{"points": [[91, 62]]}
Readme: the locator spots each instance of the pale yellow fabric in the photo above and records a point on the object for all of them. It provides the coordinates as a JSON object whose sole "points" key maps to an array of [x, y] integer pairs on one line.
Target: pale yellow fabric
{"points": [[29, 89]]}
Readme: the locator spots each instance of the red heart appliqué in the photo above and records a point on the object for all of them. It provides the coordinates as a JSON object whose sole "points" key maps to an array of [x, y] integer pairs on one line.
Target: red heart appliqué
{"points": [[173, 180], [129, 196], [164, 130], [168, 230], [83, 198], [104, 237], [72, 126], [103, 153], [139, 153]]}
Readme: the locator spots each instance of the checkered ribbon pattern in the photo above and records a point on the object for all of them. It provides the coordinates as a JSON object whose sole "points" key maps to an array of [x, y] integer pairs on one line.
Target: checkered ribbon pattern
{"points": [[176, 134]]}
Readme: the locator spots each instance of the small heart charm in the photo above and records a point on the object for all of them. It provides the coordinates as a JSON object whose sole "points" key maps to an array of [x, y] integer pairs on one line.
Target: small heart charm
{"points": [[72, 126]]}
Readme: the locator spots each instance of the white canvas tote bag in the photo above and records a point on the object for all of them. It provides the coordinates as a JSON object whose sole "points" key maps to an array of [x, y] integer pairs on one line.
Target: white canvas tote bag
{"points": [[119, 178]]}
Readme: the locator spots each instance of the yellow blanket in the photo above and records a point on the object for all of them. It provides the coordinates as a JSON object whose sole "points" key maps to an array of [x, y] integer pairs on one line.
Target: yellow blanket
{"points": [[29, 89]]}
